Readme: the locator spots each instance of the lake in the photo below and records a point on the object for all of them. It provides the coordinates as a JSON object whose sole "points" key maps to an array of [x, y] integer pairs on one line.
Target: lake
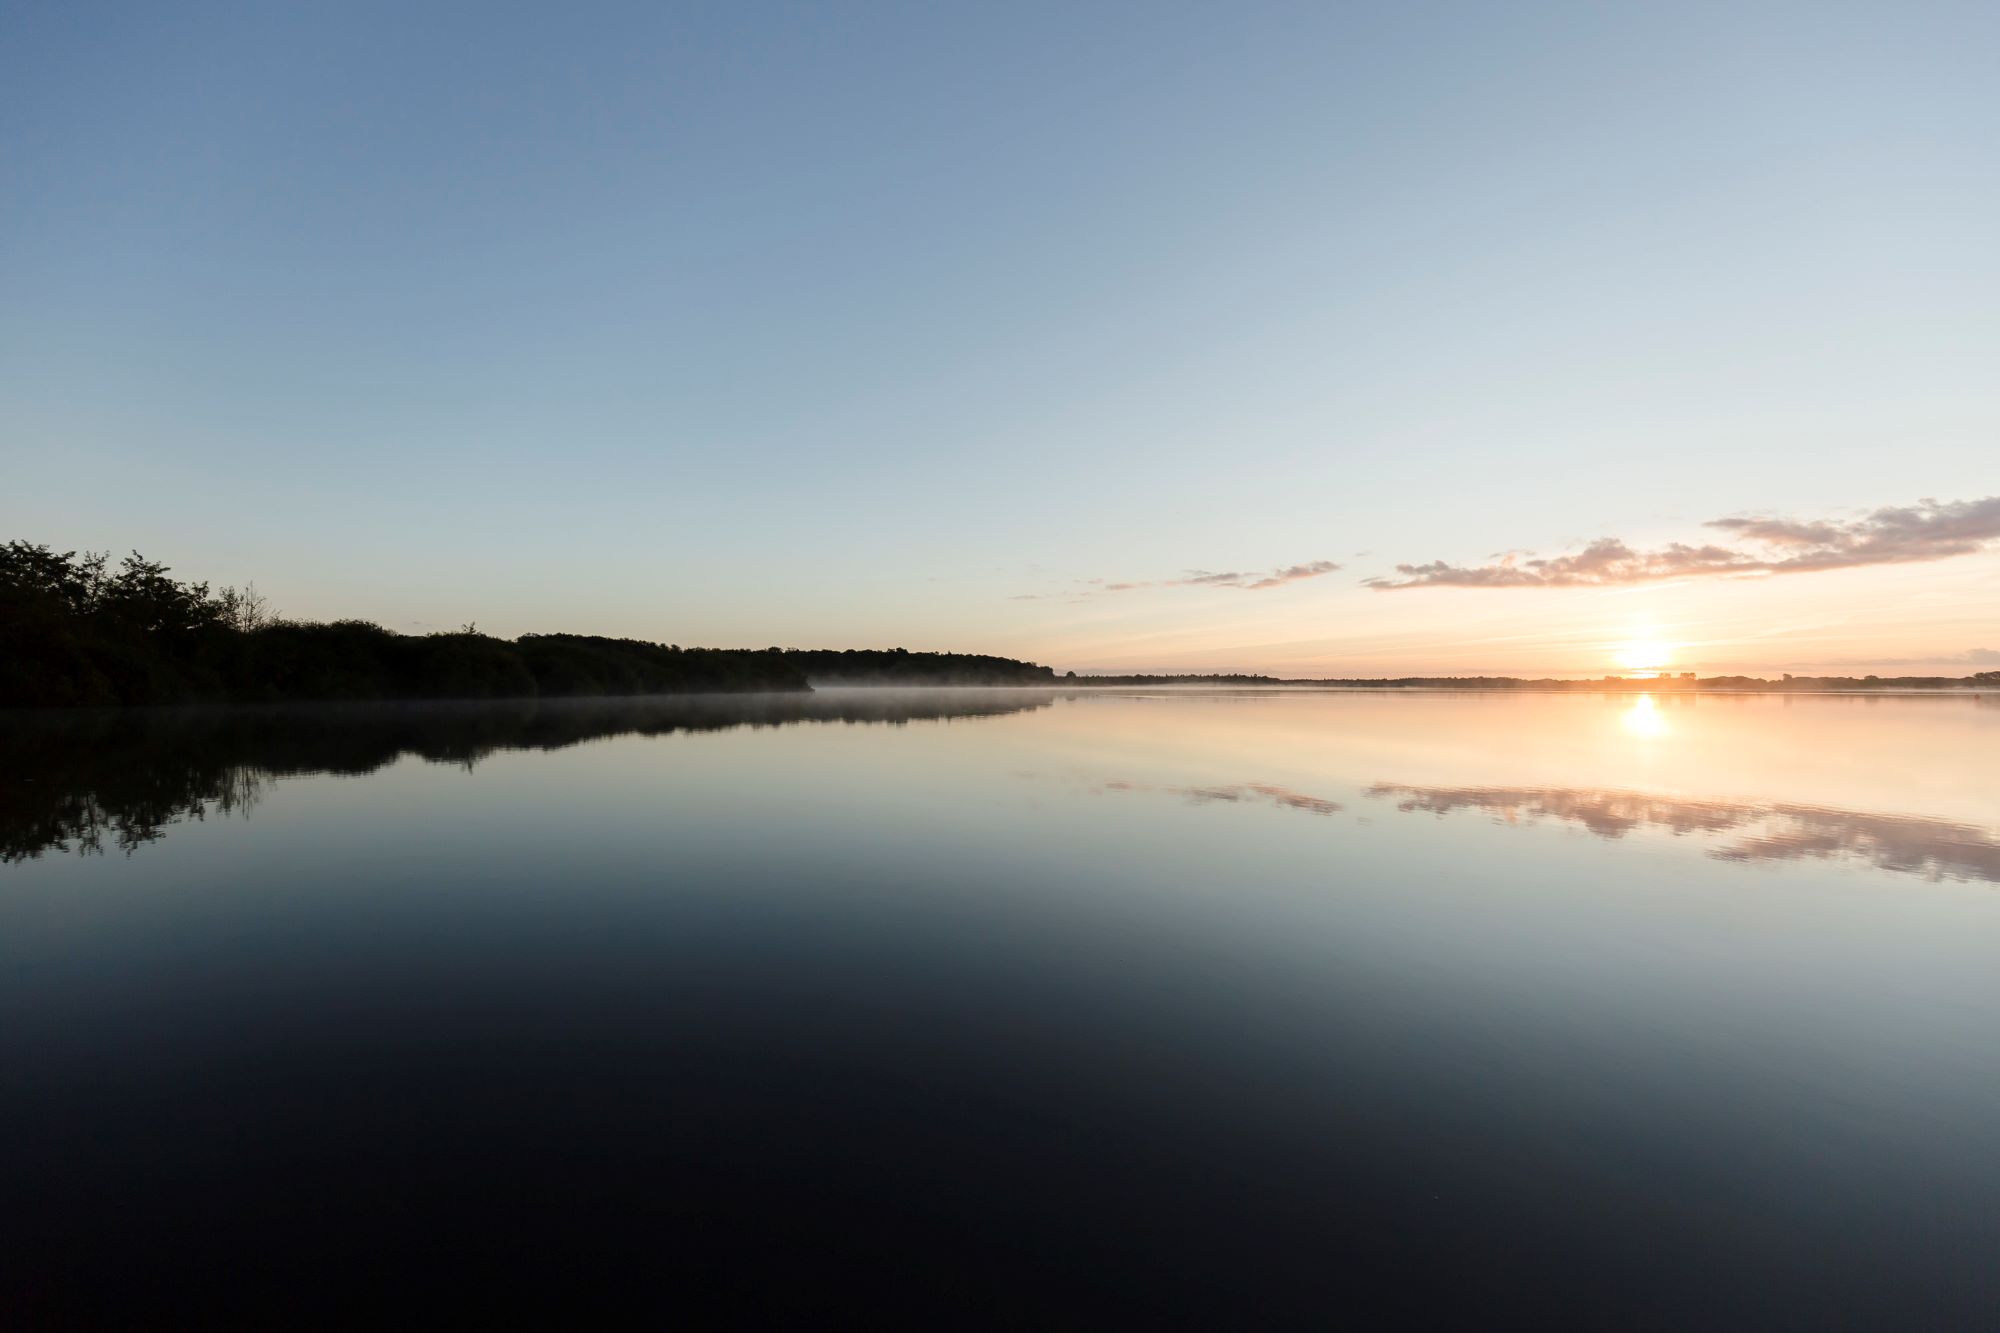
{"points": [[1254, 1009]]}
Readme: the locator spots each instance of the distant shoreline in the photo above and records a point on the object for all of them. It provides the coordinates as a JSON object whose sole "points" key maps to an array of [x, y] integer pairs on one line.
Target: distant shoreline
{"points": [[1956, 686], [1981, 683], [79, 632]]}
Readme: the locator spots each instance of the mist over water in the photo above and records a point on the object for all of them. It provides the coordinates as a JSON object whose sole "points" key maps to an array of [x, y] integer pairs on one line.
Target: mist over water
{"points": [[1233, 1007]]}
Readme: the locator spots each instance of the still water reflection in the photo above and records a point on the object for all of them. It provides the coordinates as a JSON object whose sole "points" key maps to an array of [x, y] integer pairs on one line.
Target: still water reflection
{"points": [[1904, 844], [85, 782], [1244, 1008]]}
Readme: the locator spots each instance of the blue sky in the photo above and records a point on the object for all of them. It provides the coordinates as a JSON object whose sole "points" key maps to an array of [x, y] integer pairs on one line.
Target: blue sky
{"points": [[873, 324]]}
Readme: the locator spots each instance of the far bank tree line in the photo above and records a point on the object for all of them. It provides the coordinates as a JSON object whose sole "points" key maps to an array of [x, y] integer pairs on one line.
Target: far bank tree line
{"points": [[79, 630]]}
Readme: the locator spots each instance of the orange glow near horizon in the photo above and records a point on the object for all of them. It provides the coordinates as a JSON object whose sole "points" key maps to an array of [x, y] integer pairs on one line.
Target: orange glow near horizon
{"points": [[1645, 655], [1918, 619]]}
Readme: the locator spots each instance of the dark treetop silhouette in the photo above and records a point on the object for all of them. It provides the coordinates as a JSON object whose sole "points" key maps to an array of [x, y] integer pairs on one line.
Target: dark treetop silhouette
{"points": [[75, 630]]}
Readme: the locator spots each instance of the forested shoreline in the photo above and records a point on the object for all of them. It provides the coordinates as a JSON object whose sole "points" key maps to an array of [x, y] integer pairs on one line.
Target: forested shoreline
{"points": [[81, 631]]}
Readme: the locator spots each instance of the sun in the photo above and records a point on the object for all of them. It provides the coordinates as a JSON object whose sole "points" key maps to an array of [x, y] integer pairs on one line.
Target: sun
{"points": [[1645, 655]]}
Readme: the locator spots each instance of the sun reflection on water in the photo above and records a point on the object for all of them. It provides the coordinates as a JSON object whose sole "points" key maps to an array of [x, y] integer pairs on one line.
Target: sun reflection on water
{"points": [[1644, 718]]}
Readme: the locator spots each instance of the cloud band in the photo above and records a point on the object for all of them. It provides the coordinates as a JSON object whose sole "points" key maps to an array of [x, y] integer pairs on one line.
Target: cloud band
{"points": [[1903, 534]]}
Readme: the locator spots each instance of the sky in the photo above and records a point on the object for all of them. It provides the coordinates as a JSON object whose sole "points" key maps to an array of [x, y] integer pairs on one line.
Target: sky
{"points": [[1318, 339]]}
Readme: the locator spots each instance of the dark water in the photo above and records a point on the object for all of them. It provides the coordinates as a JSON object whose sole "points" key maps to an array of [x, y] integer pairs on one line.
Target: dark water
{"points": [[1017, 1009]]}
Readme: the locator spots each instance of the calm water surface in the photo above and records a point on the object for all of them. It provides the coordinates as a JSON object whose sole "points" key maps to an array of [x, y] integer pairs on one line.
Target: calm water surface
{"points": [[1254, 1010]]}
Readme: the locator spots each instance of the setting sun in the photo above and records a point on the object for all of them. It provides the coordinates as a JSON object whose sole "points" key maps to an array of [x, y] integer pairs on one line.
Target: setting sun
{"points": [[1645, 655]]}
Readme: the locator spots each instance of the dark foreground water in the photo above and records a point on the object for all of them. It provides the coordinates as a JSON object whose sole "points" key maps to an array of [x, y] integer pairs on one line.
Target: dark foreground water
{"points": [[1026, 1009]]}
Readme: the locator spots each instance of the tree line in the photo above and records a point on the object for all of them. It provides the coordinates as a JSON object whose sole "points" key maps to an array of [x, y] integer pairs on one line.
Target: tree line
{"points": [[896, 666], [78, 630]]}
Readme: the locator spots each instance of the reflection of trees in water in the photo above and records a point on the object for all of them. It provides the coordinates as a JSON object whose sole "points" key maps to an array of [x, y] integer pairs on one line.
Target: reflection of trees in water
{"points": [[1905, 844], [83, 783], [128, 811]]}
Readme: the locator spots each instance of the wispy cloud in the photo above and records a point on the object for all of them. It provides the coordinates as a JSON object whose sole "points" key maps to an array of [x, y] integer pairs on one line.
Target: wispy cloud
{"points": [[1250, 580], [1292, 574], [1973, 657], [1927, 530]]}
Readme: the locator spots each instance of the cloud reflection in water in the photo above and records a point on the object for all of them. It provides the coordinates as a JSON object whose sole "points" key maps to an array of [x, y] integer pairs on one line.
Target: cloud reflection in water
{"points": [[1772, 831], [1249, 791]]}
